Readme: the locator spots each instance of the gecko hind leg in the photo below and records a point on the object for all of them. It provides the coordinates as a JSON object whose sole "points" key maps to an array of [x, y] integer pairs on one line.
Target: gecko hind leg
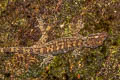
{"points": [[44, 31]]}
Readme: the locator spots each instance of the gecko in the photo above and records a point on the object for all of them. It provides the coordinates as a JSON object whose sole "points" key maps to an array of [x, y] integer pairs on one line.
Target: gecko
{"points": [[62, 45]]}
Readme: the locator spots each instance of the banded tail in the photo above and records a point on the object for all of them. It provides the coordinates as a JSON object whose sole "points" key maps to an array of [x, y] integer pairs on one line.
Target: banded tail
{"points": [[61, 45]]}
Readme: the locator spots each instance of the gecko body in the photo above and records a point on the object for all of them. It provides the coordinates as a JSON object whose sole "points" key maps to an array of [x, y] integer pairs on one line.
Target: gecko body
{"points": [[61, 45]]}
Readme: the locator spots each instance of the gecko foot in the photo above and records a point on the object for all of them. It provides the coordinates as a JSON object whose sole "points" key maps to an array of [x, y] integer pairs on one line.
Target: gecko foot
{"points": [[47, 60], [76, 52]]}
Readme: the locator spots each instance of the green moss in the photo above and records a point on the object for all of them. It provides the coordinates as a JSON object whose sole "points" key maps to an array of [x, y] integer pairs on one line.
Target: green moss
{"points": [[3, 4], [98, 16]]}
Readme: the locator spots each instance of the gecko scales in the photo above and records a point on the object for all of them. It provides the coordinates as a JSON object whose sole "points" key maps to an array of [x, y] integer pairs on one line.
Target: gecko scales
{"points": [[61, 45]]}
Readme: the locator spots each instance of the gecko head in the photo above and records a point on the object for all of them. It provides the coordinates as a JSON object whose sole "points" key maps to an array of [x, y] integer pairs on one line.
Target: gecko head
{"points": [[95, 40]]}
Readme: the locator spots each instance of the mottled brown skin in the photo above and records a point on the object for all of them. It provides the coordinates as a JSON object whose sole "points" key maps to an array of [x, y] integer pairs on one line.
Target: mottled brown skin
{"points": [[61, 45], [95, 40]]}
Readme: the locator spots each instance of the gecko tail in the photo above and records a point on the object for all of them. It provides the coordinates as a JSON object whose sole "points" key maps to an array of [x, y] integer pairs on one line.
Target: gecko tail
{"points": [[16, 49]]}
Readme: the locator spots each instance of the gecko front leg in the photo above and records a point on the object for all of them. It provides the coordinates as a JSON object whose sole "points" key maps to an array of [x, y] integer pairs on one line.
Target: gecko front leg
{"points": [[47, 60]]}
